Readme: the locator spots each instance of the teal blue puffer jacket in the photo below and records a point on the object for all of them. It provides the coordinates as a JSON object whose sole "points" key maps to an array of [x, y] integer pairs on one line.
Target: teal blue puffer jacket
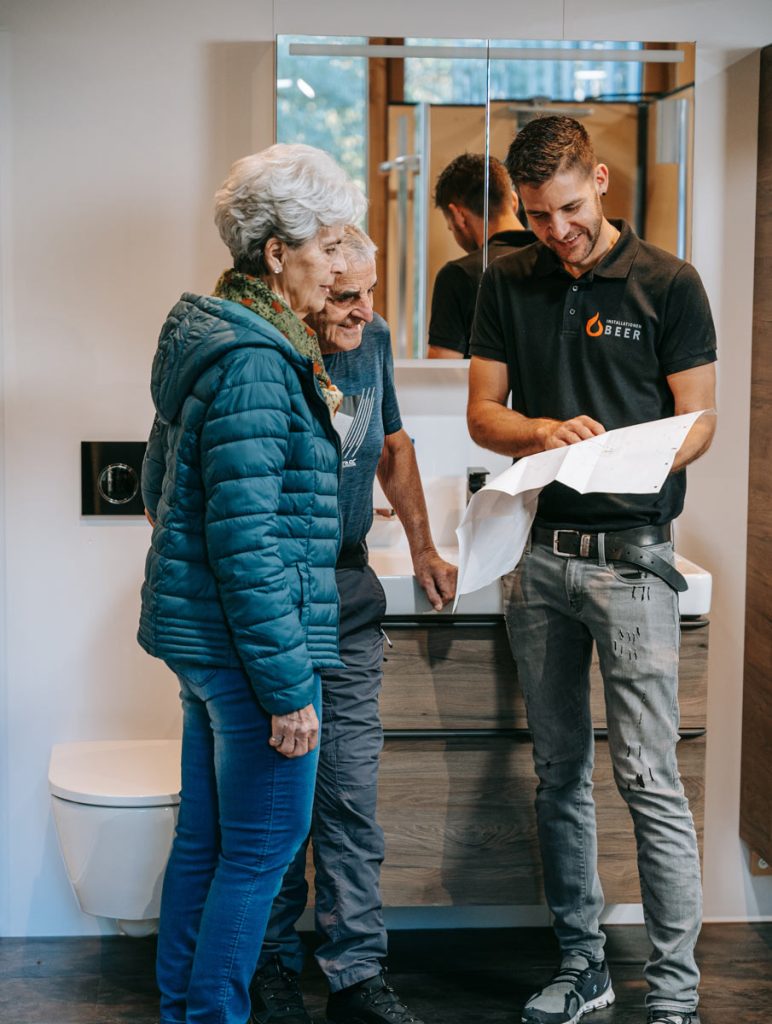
{"points": [[241, 478]]}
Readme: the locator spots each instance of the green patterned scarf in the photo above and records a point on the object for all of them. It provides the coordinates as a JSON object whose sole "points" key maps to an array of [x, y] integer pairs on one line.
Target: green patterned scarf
{"points": [[252, 293]]}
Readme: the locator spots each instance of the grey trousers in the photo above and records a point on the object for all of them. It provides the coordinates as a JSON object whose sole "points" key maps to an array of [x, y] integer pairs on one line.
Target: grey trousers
{"points": [[555, 609], [347, 840]]}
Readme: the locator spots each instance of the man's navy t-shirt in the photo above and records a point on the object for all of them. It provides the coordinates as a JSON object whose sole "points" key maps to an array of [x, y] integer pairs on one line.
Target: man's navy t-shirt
{"points": [[601, 345], [369, 411]]}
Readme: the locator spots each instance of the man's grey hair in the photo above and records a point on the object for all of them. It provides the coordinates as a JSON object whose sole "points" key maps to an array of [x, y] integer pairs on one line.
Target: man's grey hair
{"points": [[289, 192], [357, 247]]}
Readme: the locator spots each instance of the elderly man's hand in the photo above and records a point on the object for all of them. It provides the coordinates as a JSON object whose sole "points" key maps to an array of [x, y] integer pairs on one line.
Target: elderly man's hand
{"points": [[436, 576]]}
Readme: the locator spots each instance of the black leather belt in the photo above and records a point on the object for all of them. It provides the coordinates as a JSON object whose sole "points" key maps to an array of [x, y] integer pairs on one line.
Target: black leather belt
{"points": [[619, 546]]}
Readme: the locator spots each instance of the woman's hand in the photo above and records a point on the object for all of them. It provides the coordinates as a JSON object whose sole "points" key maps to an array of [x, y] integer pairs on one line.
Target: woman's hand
{"points": [[296, 733]]}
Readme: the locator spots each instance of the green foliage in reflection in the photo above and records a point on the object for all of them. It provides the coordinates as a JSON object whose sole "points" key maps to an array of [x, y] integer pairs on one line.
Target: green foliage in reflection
{"points": [[322, 101]]}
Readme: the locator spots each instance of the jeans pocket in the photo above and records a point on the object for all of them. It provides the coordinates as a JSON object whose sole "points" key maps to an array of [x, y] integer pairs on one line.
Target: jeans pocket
{"points": [[634, 575]]}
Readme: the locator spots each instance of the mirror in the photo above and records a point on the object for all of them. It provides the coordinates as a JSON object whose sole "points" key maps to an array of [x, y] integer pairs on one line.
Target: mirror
{"points": [[395, 112]]}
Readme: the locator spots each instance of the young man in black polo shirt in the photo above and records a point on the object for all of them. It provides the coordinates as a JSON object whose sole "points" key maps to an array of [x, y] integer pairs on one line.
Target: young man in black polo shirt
{"points": [[590, 330], [460, 194]]}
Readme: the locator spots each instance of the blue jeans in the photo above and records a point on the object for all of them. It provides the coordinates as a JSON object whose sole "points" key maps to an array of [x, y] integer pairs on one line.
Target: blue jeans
{"points": [[347, 840], [556, 608], [244, 811]]}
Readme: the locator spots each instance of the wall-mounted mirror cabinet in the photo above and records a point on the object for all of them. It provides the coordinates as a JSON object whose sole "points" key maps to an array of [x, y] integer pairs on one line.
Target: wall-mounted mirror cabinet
{"points": [[395, 112]]}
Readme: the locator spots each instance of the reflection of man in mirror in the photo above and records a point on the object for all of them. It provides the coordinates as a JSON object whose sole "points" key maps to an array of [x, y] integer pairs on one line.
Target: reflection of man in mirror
{"points": [[347, 840], [460, 195], [593, 329]]}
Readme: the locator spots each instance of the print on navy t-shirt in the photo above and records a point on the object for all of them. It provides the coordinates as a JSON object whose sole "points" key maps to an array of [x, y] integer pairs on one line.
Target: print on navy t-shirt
{"points": [[369, 411]]}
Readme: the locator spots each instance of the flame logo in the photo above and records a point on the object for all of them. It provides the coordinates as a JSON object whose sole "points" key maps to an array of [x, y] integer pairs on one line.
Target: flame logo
{"points": [[594, 326]]}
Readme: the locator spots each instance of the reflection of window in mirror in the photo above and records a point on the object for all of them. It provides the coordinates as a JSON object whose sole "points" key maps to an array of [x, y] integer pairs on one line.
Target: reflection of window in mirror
{"points": [[396, 112], [411, 112], [322, 101]]}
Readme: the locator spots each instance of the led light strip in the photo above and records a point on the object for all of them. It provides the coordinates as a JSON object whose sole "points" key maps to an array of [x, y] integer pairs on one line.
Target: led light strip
{"points": [[482, 53]]}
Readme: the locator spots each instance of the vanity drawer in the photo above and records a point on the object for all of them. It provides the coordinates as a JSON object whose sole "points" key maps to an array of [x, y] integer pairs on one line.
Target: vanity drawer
{"points": [[462, 676], [461, 830]]}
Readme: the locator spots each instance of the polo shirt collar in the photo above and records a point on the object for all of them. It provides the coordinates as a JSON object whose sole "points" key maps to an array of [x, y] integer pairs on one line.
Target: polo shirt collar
{"points": [[507, 237], [617, 263]]}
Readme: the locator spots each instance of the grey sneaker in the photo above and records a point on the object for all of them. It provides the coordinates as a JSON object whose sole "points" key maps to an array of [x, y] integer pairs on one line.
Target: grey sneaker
{"points": [[672, 1017], [579, 987]]}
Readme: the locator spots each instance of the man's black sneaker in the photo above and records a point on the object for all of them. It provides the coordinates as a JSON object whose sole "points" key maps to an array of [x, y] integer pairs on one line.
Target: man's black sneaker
{"points": [[372, 1001], [579, 987], [672, 1017], [276, 996]]}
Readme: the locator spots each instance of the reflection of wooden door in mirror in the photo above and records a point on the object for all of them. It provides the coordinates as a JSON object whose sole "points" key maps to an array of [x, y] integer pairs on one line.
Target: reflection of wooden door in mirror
{"points": [[450, 130], [668, 210], [400, 235], [613, 128], [454, 130]]}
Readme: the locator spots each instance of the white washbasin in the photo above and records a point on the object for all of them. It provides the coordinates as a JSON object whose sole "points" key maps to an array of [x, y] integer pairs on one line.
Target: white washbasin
{"points": [[405, 597]]}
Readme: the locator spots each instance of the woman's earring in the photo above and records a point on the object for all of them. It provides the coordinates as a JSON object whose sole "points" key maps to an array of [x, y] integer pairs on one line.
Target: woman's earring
{"points": [[277, 268]]}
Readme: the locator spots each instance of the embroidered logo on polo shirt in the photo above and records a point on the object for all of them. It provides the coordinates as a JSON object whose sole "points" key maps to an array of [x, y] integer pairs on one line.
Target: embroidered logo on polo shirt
{"points": [[594, 327], [612, 328]]}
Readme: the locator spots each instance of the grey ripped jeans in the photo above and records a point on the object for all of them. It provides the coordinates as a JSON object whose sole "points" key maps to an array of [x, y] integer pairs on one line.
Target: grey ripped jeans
{"points": [[555, 608], [347, 840]]}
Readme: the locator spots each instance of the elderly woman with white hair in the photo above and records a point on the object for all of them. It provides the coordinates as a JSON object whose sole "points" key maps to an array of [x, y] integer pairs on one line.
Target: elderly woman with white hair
{"points": [[240, 482]]}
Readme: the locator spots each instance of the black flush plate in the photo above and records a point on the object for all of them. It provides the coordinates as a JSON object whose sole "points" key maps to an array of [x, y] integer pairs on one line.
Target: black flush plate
{"points": [[110, 473]]}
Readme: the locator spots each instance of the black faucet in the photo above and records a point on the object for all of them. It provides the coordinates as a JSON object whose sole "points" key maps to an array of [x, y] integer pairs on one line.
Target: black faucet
{"points": [[475, 479]]}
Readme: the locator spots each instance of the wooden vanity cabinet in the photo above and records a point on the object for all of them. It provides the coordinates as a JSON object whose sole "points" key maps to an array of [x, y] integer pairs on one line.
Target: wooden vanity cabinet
{"points": [[457, 783]]}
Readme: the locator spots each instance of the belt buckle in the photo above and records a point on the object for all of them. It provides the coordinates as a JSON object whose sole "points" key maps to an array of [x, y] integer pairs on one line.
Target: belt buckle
{"points": [[556, 542]]}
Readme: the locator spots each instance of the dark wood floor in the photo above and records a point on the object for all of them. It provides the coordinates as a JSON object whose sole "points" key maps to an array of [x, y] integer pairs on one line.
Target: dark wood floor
{"points": [[448, 977]]}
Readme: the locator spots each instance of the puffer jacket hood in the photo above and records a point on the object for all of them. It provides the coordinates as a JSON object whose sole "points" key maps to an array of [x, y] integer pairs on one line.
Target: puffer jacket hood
{"points": [[198, 332]]}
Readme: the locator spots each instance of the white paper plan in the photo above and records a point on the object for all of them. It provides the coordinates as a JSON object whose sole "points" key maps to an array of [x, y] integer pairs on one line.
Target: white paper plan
{"points": [[495, 527]]}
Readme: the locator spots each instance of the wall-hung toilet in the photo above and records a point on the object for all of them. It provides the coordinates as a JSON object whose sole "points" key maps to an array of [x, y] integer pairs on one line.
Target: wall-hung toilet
{"points": [[115, 808]]}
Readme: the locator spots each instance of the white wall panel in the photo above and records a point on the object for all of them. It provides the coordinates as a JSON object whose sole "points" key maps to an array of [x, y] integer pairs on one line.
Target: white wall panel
{"points": [[459, 19], [125, 118]]}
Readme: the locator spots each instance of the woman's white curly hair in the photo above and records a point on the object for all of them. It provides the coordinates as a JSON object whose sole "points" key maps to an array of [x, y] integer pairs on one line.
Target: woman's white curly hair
{"points": [[288, 192]]}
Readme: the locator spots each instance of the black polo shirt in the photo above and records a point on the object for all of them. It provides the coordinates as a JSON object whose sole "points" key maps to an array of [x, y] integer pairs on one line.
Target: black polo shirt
{"points": [[455, 291], [601, 345]]}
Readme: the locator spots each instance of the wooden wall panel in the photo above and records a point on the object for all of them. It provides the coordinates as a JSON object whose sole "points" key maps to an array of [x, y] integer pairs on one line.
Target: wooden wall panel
{"points": [[756, 785]]}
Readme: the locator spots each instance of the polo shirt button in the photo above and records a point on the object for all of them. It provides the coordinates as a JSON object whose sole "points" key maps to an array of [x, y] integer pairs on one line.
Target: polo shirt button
{"points": [[574, 287], [572, 311]]}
